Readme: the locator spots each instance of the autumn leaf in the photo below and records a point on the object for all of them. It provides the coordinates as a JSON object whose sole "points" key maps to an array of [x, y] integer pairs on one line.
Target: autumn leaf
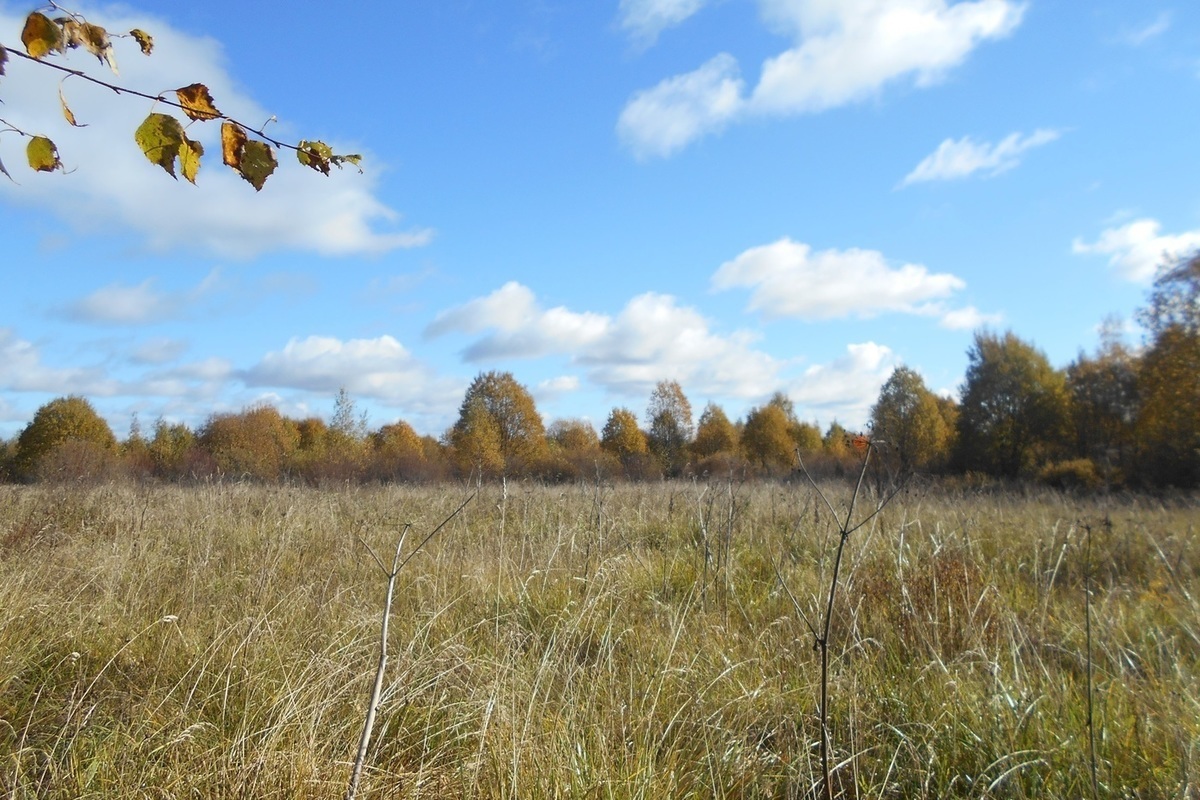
{"points": [[67, 113], [257, 163], [162, 139], [5, 171], [233, 140], [314, 154], [42, 154], [189, 159], [90, 37], [40, 36], [3, 58], [197, 102], [144, 40]]}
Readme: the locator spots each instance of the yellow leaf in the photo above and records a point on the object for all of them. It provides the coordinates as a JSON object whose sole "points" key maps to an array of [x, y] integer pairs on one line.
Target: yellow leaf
{"points": [[233, 139], [257, 163], [197, 102], [189, 159], [144, 40], [161, 136], [70, 115], [314, 154], [42, 154], [40, 36]]}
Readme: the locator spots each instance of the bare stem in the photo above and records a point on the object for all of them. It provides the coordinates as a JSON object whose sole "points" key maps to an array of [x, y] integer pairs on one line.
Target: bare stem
{"points": [[377, 689]]}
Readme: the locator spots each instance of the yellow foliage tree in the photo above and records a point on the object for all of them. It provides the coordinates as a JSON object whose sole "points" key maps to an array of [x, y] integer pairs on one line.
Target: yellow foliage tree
{"points": [[63, 422]]}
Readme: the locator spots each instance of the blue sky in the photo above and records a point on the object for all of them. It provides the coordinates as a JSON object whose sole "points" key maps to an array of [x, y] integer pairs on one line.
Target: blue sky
{"points": [[743, 196]]}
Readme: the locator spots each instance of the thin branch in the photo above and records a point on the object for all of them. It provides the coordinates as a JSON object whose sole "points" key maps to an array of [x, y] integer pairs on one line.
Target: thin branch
{"points": [[820, 493], [157, 98]]}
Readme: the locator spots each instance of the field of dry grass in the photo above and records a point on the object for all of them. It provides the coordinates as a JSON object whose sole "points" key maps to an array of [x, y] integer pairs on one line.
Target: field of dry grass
{"points": [[629, 641]]}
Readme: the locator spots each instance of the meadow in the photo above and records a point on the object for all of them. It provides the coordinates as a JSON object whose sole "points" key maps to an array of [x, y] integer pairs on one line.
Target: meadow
{"points": [[595, 641]]}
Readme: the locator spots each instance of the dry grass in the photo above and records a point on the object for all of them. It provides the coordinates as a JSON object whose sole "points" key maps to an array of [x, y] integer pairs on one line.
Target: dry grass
{"points": [[572, 642]]}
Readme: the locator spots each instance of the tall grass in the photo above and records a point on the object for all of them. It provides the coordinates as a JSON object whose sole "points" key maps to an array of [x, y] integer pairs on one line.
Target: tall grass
{"points": [[220, 641]]}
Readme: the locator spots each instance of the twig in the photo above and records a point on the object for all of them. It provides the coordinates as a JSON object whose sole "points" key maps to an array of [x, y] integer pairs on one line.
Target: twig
{"points": [[377, 689]]}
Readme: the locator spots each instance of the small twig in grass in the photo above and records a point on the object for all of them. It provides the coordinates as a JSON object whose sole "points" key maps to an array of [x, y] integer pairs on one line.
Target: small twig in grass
{"points": [[1087, 611], [398, 565], [821, 645]]}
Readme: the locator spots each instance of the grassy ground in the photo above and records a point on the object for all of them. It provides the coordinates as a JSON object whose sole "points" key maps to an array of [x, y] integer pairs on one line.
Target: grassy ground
{"points": [[628, 641]]}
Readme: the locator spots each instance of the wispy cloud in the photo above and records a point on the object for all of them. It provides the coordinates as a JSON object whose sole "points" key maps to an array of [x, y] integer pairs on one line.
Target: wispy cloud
{"points": [[789, 279], [646, 19], [844, 52], [1137, 249], [117, 304], [1139, 35], [113, 186], [961, 158]]}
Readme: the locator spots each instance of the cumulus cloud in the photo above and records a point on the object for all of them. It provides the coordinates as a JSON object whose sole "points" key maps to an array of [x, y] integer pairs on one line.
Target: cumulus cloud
{"points": [[522, 328], [1136, 250], [961, 158], [847, 387], [113, 186], [646, 19], [968, 318], [381, 369], [653, 338], [665, 119], [844, 52], [788, 279]]}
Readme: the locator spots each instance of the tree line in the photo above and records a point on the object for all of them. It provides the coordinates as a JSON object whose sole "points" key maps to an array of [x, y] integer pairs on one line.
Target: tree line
{"points": [[1121, 416]]}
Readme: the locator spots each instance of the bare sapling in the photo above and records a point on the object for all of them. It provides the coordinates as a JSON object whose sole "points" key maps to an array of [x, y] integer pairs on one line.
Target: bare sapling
{"points": [[398, 565], [821, 638]]}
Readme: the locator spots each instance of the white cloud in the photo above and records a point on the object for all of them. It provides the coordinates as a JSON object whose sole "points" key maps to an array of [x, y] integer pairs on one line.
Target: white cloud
{"points": [[968, 318], [845, 51], [140, 304], [646, 19], [112, 185], [22, 370], [523, 330], [381, 369], [790, 280], [663, 120], [1138, 249], [554, 388], [847, 387], [960, 158], [651, 339]]}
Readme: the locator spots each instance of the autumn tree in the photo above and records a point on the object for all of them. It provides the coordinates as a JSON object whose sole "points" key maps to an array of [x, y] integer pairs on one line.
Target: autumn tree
{"points": [[670, 416], [173, 450], [1013, 415], [624, 440], [66, 429], [257, 443], [398, 453], [714, 433], [1168, 425], [767, 437], [908, 422], [162, 138], [498, 427], [1104, 397]]}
